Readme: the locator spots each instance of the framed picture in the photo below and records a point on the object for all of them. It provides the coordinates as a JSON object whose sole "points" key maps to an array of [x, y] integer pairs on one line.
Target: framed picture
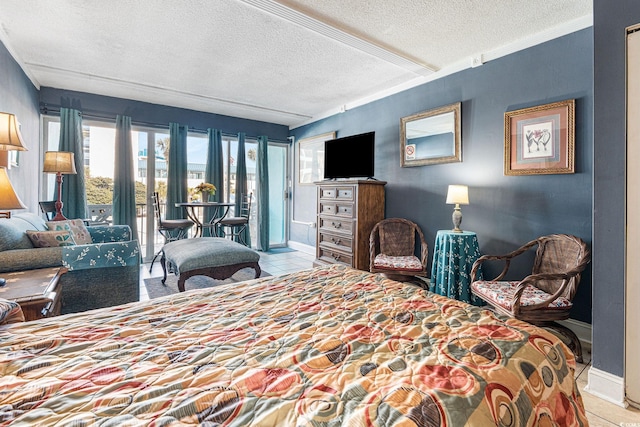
{"points": [[540, 140], [311, 158]]}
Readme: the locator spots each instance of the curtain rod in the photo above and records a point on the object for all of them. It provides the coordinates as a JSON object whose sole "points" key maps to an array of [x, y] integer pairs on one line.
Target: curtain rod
{"points": [[55, 111]]}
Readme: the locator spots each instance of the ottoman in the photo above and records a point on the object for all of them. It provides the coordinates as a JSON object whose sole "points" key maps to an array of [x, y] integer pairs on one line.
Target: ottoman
{"points": [[214, 257]]}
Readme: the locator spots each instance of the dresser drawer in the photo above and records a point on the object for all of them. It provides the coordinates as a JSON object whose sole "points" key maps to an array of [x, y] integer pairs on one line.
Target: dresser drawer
{"points": [[327, 192], [337, 193], [339, 209], [345, 193], [333, 256], [335, 241], [334, 224]]}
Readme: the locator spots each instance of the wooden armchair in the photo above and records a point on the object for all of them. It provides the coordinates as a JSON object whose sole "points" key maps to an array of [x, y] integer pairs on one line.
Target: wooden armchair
{"points": [[392, 250], [544, 296]]}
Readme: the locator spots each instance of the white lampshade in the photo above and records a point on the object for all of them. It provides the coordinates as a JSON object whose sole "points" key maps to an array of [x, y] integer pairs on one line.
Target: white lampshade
{"points": [[10, 137], [59, 161], [458, 194], [8, 197]]}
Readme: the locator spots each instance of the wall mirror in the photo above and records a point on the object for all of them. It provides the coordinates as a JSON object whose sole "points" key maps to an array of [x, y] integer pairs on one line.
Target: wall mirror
{"points": [[431, 137]]}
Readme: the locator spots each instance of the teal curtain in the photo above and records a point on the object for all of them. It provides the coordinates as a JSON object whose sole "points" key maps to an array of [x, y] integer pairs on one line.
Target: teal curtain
{"points": [[262, 174], [124, 184], [74, 196], [214, 172], [177, 190], [241, 181]]}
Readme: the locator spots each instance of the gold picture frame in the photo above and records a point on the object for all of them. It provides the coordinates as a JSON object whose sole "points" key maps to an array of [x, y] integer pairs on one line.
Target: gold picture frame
{"points": [[540, 140], [431, 137]]}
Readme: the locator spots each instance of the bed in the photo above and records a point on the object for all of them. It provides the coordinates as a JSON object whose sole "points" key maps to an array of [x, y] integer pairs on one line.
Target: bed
{"points": [[330, 346]]}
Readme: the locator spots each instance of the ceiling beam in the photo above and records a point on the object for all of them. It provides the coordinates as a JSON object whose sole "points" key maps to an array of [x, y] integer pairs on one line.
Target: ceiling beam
{"points": [[340, 36]]}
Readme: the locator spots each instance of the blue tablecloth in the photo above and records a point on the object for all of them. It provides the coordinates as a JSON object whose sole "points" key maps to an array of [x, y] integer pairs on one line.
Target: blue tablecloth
{"points": [[453, 257]]}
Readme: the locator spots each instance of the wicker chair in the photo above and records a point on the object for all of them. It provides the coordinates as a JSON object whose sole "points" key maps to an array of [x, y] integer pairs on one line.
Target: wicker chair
{"points": [[544, 296], [392, 250]]}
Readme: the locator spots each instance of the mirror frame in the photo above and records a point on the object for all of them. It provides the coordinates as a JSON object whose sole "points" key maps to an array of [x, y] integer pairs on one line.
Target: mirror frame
{"points": [[456, 155]]}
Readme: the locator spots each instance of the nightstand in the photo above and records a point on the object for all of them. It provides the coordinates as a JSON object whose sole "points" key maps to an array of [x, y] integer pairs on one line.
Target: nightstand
{"points": [[37, 291]]}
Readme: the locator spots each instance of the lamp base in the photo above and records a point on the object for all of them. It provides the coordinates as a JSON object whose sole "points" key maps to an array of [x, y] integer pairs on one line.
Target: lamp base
{"points": [[457, 219], [59, 217], [59, 204]]}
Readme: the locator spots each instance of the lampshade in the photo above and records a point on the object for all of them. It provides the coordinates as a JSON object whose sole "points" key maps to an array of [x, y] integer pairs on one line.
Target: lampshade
{"points": [[8, 197], [458, 194], [10, 138], [59, 161]]}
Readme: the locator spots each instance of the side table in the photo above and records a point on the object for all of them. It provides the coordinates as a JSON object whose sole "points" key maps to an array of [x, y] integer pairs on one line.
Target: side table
{"points": [[453, 257], [37, 291]]}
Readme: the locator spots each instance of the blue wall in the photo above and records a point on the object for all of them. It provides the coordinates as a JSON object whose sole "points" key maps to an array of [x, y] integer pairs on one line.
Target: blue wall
{"points": [[144, 112], [609, 180], [20, 97], [505, 211]]}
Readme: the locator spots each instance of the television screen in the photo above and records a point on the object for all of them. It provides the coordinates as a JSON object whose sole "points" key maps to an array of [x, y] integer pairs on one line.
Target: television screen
{"points": [[349, 157]]}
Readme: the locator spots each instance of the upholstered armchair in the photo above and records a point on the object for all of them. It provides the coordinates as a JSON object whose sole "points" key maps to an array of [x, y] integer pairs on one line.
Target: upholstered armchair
{"points": [[103, 262], [393, 252], [544, 296]]}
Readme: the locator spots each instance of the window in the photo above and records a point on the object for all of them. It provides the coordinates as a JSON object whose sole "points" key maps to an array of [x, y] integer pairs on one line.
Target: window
{"points": [[196, 161], [99, 159]]}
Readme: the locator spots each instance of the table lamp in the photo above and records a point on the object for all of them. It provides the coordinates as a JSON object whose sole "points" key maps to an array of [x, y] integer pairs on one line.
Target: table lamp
{"points": [[458, 195], [8, 197], [10, 138], [59, 162], [8, 200]]}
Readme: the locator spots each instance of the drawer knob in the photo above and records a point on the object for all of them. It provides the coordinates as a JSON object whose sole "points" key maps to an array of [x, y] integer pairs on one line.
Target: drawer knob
{"points": [[336, 242], [336, 257], [336, 225]]}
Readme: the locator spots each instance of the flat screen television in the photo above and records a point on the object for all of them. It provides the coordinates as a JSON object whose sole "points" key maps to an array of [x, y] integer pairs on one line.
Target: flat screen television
{"points": [[349, 156]]}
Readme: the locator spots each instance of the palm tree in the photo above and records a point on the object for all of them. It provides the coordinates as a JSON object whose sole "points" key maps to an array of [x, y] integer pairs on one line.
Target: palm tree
{"points": [[163, 145]]}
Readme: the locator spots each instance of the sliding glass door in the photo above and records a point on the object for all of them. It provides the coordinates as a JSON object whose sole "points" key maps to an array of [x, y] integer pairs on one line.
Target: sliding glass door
{"points": [[150, 146], [278, 154]]}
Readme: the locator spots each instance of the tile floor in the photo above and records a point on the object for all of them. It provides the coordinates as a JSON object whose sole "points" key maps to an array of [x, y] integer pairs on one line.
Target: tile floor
{"points": [[600, 412]]}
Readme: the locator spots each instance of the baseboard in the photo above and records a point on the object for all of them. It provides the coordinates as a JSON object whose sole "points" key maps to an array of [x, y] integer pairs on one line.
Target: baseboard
{"points": [[582, 330], [606, 386], [307, 249]]}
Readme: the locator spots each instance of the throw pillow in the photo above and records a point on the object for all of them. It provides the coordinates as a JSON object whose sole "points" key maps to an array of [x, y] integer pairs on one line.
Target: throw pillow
{"points": [[77, 228], [51, 239]]}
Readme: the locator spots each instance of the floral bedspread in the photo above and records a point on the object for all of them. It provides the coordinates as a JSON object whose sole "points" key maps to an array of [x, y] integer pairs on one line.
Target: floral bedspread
{"points": [[331, 346]]}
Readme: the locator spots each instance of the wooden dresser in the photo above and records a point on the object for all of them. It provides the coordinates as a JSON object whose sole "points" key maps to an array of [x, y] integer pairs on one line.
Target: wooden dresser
{"points": [[347, 211]]}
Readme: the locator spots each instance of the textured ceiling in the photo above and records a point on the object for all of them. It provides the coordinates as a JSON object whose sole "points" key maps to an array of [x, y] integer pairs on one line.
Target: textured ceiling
{"points": [[286, 62]]}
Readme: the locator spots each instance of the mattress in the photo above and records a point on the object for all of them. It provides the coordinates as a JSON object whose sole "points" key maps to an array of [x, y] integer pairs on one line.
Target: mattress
{"points": [[330, 346]]}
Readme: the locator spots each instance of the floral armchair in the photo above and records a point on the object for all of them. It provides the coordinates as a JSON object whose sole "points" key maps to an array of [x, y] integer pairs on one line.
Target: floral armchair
{"points": [[544, 296], [392, 250]]}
